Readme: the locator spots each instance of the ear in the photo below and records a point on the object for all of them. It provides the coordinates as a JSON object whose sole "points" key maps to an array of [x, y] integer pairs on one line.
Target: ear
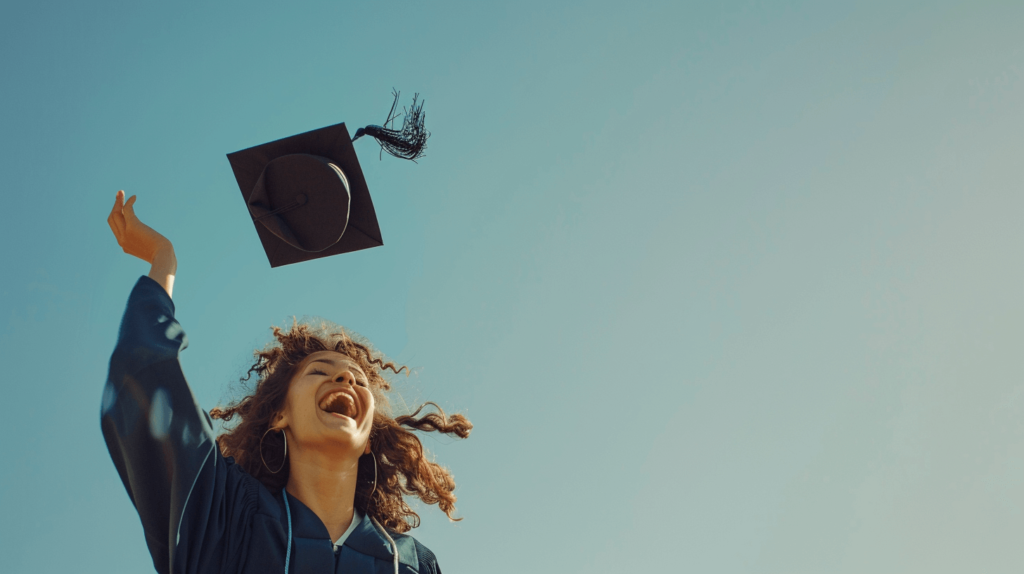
{"points": [[279, 421]]}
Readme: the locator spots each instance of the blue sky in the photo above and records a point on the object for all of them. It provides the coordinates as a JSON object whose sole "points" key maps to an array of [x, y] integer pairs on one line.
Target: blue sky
{"points": [[724, 287]]}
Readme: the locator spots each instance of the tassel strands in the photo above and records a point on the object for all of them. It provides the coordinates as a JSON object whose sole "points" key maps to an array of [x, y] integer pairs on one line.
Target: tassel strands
{"points": [[408, 143]]}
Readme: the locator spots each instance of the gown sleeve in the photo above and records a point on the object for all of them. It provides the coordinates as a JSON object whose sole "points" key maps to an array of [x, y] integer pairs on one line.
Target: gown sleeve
{"points": [[194, 504]]}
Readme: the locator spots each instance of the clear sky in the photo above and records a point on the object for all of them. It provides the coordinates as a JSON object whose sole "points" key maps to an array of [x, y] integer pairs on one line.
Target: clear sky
{"points": [[725, 287]]}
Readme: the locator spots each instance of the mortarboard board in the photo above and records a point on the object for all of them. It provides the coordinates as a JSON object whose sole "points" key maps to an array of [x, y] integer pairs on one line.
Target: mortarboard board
{"points": [[306, 194]]}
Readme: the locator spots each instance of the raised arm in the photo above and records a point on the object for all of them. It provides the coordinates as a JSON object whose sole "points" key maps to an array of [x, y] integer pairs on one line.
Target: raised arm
{"points": [[160, 441]]}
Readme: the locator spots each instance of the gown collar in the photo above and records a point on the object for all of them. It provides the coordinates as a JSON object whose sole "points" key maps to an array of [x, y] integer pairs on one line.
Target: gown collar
{"points": [[365, 538]]}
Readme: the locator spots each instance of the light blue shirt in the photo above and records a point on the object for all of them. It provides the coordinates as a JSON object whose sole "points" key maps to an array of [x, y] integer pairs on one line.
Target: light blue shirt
{"points": [[356, 519]]}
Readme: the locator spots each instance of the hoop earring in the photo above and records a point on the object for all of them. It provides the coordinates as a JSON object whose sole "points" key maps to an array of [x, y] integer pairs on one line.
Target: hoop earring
{"points": [[374, 475], [283, 462]]}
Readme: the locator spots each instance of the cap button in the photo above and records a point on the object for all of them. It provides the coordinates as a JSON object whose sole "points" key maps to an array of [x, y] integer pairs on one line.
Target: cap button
{"points": [[300, 199]]}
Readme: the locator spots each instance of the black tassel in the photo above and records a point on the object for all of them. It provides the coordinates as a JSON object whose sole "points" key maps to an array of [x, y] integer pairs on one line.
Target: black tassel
{"points": [[408, 143]]}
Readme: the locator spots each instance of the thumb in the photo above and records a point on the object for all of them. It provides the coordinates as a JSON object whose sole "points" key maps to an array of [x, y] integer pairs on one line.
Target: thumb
{"points": [[128, 206]]}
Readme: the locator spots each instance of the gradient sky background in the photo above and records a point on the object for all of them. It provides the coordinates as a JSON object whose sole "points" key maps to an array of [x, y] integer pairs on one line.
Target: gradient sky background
{"points": [[725, 287]]}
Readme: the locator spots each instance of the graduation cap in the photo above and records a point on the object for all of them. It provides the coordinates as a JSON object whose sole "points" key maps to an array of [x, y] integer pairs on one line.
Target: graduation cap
{"points": [[306, 194]]}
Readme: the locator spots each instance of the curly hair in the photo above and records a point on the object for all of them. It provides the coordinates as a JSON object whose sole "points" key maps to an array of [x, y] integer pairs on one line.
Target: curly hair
{"points": [[402, 467]]}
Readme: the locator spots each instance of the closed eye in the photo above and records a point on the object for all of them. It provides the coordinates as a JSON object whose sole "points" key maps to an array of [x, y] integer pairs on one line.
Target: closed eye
{"points": [[359, 382]]}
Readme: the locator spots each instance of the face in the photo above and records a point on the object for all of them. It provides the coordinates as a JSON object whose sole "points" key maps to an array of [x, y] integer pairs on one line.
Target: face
{"points": [[329, 405]]}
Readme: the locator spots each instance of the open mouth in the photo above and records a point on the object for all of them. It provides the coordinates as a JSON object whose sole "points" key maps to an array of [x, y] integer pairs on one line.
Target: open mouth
{"points": [[339, 403]]}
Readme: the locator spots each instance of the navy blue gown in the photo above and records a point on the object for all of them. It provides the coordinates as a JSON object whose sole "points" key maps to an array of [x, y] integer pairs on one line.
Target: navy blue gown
{"points": [[201, 513]]}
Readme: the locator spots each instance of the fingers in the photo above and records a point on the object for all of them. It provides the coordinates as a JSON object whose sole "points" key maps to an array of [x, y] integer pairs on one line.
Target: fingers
{"points": [[117, 205], [116, 218]]}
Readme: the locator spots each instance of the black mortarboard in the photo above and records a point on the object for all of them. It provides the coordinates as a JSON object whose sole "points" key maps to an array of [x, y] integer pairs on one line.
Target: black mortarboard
{"points": [[306, 194]]}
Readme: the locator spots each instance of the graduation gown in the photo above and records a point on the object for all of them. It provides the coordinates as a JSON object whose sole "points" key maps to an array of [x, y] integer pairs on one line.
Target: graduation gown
{"points": [[201, 513]]}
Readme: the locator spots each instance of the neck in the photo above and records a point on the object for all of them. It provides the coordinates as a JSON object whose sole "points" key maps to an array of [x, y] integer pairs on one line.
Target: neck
{"points": [[326, 483]]}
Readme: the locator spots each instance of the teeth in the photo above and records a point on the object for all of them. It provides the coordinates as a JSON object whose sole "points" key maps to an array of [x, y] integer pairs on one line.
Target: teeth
{"points": [[332, 400], [329, 399]]}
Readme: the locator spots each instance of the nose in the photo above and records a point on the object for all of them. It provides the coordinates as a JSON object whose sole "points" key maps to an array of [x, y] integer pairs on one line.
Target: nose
{"points": [[346, 376]]}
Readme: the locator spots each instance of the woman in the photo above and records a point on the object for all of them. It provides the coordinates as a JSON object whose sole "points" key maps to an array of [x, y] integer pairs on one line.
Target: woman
{"points": [[310, 479]]}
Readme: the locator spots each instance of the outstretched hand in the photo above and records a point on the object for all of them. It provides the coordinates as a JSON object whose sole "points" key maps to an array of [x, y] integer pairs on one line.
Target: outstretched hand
{"points": [[138, 239], [135, 237]]}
